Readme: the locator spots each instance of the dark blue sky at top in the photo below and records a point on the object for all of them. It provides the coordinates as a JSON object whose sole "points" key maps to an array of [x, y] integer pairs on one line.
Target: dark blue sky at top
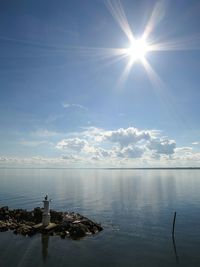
{"points": [[42, 67]]}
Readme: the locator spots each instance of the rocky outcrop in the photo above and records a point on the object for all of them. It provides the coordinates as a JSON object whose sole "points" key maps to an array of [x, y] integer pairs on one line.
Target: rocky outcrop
{"points": [[64, 224]]}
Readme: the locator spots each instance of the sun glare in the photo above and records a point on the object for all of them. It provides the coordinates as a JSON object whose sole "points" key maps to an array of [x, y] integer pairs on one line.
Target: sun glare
{"points": [[137, 50]]}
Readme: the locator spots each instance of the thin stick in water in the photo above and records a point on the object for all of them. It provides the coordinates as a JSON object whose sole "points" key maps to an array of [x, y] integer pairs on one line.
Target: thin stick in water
{"points": [[174, 221]]}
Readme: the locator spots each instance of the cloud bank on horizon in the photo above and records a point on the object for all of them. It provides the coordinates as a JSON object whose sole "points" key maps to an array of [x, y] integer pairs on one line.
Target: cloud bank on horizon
{"points": [[95, 147]]}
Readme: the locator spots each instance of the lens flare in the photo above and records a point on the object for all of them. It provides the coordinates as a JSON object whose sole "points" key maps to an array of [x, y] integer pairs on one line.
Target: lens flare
{"points": [[137, 50]]}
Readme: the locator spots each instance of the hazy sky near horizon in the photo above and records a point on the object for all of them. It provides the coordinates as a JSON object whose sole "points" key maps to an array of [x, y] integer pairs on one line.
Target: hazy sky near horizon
{"points": [[67, 99]]}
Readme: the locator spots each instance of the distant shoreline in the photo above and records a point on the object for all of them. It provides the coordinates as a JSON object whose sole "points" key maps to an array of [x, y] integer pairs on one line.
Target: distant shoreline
{"points": [[103, 168]]}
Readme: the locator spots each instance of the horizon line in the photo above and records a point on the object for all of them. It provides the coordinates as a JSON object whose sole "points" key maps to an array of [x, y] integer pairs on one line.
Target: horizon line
{"points": [[107, 168]]}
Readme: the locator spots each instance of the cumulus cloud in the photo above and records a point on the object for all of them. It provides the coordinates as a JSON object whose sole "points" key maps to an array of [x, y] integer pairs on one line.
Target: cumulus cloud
{"points": [[186, 156], [125, 137], [130, 152], [123, 143], [130, 156], [119, 147], [162, 146], [75, 144], [93, 134], [102, 153], [3, 159]]}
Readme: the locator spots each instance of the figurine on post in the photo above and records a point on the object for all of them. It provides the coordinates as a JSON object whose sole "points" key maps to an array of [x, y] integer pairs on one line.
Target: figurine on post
{"points": [[46, 212]]}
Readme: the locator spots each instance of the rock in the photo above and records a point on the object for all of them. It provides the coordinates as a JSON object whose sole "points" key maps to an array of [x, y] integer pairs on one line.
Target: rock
{"points": [[13, 226], [99, 227], [3, 212], [56, 216], [64, 224], [77, 232], [67, 233], [3, 227], [5, 208], [62, 235], [50, 228], [37, 215], [38, 226], [92, 226], [26, 230], [24, 215], [84, 228]]}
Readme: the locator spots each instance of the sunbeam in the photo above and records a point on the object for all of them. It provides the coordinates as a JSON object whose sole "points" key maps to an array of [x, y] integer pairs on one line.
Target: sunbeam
{"points": [[152, 75], [178, 44], [162, 93], [126, 72], [139, 47], [98, 53], [119, 15], [135, 51], [157, 15]]}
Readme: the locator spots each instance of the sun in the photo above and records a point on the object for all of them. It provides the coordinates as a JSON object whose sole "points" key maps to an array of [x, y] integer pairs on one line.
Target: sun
{"points": [[137, 50]]}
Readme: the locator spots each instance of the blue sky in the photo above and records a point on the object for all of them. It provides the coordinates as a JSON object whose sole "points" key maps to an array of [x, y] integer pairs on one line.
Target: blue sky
{"points": [[64, 98]]}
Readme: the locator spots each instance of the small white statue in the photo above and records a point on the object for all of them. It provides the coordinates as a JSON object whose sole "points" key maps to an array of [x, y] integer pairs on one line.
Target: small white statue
{"points": [[46, 212]]}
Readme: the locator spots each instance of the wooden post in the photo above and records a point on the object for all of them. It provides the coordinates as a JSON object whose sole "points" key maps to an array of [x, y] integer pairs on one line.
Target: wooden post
{"points": [[173, 238], [174, 221]]}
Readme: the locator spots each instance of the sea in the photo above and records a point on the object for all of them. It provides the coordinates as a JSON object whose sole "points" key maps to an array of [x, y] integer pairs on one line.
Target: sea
{"points": [[135, 207]]}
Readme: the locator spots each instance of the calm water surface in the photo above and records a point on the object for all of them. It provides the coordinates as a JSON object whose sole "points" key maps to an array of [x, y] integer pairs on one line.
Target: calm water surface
{"points": [[135, 208]]}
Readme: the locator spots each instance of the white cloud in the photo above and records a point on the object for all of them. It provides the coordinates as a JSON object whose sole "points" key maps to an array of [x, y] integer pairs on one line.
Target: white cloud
{"points": [[125, 137], [75, 144], [36, 161], [195, 143], [127, 147], [185, 149], [3, 159], [67, 105], [92, 134], [72, 158], [186, 156], [130, 152], [162, 145], [124, 143], [99, 152]]}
